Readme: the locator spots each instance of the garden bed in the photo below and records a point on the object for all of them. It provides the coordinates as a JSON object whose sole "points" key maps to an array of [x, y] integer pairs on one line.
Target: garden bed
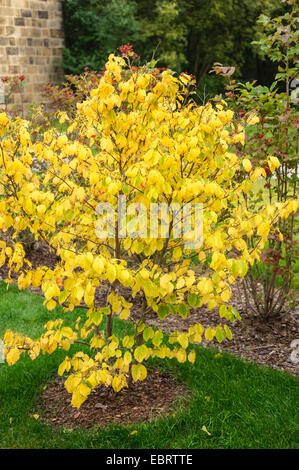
{"points": [[154, 397]]}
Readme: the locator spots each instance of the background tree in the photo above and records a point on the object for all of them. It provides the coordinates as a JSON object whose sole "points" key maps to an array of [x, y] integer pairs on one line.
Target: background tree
{"points": [[186, 35], [94, 29], [165, 30]]}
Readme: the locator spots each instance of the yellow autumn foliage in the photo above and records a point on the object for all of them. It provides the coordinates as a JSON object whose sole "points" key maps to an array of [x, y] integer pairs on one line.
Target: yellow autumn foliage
{"points": [[142, 139]]}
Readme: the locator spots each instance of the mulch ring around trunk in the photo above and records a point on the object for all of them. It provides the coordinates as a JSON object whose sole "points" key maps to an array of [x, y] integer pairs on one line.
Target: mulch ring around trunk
{"points": [[156, 396]]}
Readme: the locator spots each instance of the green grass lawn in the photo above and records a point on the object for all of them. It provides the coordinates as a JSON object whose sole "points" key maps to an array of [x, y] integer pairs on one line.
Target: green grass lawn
{"points": [[250, 407]]}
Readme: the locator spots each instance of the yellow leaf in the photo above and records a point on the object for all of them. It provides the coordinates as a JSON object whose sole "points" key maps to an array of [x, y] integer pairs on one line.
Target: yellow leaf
{"points": [[139, 372], [64, 366], [111, 273], [157, 338], [204, 429], [127, 358], [144, 273], [192, 356], [80, 194], [247, 165], [117, 383], [13, 356], [124, 314], [182, 339], [253, 119], [209, 334], [140, 353], [98, 265], [273, 163], [228, 332], [72, 383], [148, 333], [51, 305], [77, 400], [226, 295], [181, 355], [180, 283]]}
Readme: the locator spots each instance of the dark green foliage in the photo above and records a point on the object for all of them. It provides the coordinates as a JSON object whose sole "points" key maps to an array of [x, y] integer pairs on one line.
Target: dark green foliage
{"points": [[185, 35], [94, 29]]}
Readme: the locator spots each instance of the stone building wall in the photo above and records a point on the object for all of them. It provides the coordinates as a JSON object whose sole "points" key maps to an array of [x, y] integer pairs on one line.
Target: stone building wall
{"points": [[31, 42]]}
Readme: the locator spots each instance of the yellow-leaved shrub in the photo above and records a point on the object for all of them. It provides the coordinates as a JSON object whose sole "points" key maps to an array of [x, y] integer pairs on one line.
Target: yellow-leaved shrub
{"points": [[143, 139]]}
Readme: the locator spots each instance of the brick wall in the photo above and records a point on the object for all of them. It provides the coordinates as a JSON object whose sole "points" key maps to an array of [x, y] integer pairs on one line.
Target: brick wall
{"points": [[31, 42]]}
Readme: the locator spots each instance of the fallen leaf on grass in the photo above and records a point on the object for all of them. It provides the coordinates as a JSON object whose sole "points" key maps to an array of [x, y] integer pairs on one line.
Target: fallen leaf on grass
{"points": [[204, 429], [133, 432]]}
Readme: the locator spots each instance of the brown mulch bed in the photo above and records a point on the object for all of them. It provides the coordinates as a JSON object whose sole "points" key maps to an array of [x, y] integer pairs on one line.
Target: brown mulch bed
{"points": [[266, 343], [155, 397]]}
